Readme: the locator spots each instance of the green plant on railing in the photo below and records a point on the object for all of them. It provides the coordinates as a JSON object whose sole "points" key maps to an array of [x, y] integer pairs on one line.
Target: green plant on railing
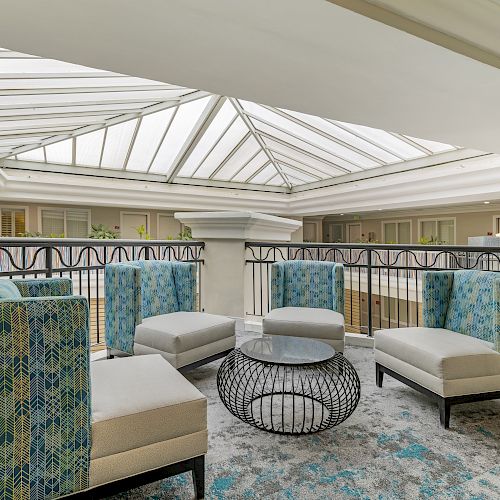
{"points": [[185, 234], [102, 232], [29, 234], [147, 236], [169, 237], [423, 240], [55, 235], [141, 230]]}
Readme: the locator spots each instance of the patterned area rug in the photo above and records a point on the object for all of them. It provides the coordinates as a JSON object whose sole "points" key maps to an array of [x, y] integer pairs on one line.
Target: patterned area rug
{"points": [[392, 447]]}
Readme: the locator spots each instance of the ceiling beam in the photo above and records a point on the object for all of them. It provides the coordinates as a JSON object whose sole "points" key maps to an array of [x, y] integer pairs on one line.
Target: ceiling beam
{"points": [[420, 30], [259, 140], [195, 136]]}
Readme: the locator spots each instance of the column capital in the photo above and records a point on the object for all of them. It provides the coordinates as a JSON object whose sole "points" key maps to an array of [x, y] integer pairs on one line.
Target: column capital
{"points": [[238, 225]]}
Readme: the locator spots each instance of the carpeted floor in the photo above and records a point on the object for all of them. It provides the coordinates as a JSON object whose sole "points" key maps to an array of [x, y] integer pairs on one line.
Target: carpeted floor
{"points": [[392, 447]]}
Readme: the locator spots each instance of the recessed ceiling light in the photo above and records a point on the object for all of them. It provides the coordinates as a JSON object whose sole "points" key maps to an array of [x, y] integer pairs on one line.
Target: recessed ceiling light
{"points": [[486, 202], [341, 214]]}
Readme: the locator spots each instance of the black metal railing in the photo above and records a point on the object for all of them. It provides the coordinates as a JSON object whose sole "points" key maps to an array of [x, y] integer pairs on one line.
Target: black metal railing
{"points": [[84, 260], [382, 282]]}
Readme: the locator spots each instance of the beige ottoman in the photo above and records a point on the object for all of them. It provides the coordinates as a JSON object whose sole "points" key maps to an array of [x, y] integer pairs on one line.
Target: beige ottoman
{"points": [[145, 417], [185, 339]]}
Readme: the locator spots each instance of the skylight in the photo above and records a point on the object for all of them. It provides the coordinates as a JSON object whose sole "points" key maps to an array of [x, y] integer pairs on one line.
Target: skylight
{"points": [[53, 112]]}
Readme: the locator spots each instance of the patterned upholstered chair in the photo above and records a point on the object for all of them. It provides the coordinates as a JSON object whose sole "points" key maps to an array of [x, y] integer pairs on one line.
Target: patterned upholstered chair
{"points": [[66, 423], [151, 309], [453, 357], [307, 300]]}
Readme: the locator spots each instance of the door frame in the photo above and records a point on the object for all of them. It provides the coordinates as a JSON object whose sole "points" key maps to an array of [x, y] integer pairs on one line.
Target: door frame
{"points": [[128, 212], [348, 225]]}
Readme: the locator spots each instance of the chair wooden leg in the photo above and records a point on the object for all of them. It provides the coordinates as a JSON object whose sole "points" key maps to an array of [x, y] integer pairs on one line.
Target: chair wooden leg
{"points": [[379, 375], [444, 412], [199, 476]]}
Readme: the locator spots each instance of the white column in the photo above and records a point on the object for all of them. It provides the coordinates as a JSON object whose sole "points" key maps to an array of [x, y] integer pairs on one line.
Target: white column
{"points": [[225, 234]]}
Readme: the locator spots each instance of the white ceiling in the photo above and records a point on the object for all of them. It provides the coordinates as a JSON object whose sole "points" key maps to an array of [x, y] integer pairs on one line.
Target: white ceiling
{"points": [[304, 55]]}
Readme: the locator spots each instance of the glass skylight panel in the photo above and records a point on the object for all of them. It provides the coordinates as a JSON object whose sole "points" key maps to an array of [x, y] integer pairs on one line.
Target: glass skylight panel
{"points": [[148, 139], [33, 155], [387, 140], [89, 148], [288, 125], [240, 157], [335, 131], [60, 152], [224, 147], [304, 158], [277, 180], [307, 148], [212, 134], [305, 178], [434, 147], [264, 175], [117, 143], [180, 129], [300, 166], [251, 167]]}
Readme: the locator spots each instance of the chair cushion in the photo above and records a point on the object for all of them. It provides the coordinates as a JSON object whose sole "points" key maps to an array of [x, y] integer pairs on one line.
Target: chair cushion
{"points": [[141, 400], [181, 331], [9, 290], [443, 353], [304, 322]]}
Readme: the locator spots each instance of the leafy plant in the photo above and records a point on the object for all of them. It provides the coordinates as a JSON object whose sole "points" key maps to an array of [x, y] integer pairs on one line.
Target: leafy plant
{"points": [[29, 234], [55, 235], [102, 232], [185, 234], [423, 240], [141, 230]]}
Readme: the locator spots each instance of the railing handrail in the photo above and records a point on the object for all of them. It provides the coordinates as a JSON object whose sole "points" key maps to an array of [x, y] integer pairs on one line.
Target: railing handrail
{"points": [[77, 242], [374, 246]]}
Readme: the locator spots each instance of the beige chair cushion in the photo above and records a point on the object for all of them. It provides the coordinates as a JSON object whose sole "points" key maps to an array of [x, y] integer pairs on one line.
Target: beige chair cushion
{"points": [[182, 331], [442, 353], [304, 322], [142, 400]]}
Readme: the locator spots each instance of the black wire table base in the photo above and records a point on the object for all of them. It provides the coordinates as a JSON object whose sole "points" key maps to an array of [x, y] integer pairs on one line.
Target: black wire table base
{"points": [[288, 399]]}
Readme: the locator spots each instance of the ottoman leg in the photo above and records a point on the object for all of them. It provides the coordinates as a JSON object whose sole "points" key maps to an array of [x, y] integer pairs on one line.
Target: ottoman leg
{"points": [[444, 412]]}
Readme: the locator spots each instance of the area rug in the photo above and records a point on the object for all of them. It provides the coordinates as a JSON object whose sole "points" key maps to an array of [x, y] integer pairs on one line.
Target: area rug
{"points": [[392, 447]]}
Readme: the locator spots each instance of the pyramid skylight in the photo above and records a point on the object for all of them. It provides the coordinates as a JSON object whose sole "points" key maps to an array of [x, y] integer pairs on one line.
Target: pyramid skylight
{"points": [[55, 113]]}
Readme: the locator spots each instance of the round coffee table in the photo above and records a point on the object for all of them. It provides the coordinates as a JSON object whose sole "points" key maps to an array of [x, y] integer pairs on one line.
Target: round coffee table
{"points": [[288, 385]]}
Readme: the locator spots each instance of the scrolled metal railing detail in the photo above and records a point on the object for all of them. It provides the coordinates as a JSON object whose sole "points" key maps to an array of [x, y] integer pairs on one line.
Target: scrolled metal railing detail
{"points": [[84, 260], [383, 282]]}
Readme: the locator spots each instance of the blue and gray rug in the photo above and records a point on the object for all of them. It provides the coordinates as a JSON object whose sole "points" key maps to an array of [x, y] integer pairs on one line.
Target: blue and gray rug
{"points": [[392, 447]]}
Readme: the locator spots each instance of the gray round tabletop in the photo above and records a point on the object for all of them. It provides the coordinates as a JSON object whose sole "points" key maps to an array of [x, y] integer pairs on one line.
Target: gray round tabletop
{"points": [[284, 350]]}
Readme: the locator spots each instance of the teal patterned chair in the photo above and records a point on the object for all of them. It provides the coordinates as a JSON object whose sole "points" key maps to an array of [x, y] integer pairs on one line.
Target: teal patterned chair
{"points": [[151, 309], [307, 300], [454, 357], [45, 389], [65, 422]]}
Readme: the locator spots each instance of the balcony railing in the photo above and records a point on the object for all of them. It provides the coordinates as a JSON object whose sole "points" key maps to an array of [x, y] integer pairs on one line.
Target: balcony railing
{"points": [[83, 260], [382, 282]]}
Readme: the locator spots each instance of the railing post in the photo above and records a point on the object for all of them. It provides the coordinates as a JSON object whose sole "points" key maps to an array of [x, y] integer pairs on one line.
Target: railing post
{"points": [[369, 282], [146, 253], [48, 261]]}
